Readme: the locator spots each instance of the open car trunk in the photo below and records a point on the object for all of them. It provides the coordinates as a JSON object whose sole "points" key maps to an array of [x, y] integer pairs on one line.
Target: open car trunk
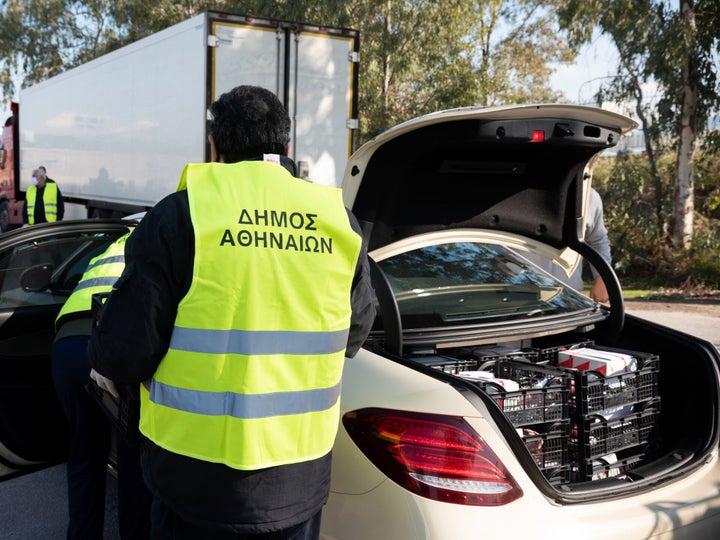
{"points": [[581, 434], [522, 172]]}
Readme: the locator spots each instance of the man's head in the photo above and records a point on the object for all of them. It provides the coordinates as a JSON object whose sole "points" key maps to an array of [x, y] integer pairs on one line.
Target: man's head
{"points": [[247, 122], [41, 175]]}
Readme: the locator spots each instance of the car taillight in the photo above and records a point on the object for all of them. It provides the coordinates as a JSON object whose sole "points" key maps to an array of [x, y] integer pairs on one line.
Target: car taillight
{"points": [[435, 456]]}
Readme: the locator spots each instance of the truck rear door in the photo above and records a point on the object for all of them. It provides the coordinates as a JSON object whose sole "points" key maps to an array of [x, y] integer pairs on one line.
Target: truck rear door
{"points": [[313, 69]]}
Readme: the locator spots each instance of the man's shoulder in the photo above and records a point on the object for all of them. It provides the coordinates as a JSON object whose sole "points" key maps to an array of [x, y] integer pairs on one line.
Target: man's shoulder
{"points": [[174, 207]]}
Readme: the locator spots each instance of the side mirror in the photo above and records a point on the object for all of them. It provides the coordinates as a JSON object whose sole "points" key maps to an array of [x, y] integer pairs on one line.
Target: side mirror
{"points": [[37, 278]]}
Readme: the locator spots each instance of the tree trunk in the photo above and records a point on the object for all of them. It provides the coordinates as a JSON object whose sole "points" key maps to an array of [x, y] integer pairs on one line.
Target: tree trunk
{"points": [[681, 224]]}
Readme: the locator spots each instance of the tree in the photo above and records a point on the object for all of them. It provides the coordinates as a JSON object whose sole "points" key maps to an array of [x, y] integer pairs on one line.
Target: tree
{"points": [[673, 49], [417, 56], [42, 38]]}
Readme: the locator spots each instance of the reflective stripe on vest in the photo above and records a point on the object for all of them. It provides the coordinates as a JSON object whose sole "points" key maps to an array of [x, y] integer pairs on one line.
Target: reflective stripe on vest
{"points": [[49, 202], [252, 375], [100, 276]]}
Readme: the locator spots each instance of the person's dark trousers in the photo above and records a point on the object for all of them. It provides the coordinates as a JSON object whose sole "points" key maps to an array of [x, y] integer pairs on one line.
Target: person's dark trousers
{"points": [[134, 498], [167, 525], [89, 439], [89, 451]]}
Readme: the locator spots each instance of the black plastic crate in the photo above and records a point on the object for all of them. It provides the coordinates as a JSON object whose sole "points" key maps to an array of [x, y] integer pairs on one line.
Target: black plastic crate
{"points": [[549, 354], [550, 448], [447, 364], [606, 396], [594, 437], [543, 395], [487, 358]]}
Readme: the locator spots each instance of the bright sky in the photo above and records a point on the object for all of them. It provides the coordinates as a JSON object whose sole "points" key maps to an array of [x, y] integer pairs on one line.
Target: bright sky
{"points": [[580, 80]]}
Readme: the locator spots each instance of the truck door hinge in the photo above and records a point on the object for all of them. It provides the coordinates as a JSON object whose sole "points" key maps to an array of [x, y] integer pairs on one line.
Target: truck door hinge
{"points": [[213, 41], [353, 56], [352, 123]]}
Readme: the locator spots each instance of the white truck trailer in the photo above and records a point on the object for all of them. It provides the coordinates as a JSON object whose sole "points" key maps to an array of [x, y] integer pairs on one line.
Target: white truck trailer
{"points": [[115, 133]]}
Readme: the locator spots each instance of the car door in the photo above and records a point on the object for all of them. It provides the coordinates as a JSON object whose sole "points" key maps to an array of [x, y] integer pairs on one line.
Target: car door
{"points": [[39, 267]]}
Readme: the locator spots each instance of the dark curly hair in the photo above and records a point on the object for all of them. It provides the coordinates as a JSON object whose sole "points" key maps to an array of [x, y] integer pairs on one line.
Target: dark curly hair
{"points": [[249, 121]]}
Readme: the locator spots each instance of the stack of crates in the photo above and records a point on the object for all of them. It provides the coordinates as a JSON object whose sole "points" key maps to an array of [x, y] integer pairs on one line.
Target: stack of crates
{"points": [[613, 417], [539, 410], [578, 425]]}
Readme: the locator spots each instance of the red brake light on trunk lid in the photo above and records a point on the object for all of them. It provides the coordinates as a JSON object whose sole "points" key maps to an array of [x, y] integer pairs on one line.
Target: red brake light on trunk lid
{"points": [[435, 456], [537, 136]]}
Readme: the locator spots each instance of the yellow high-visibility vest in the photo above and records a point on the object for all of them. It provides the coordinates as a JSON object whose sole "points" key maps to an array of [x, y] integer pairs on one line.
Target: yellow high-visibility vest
{"points": [[252, 375], [50, 202], [100, 276]]}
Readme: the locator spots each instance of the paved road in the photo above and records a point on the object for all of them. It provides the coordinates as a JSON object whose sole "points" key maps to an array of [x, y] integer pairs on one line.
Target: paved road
{"points": [[34, 507], [702, 320]]}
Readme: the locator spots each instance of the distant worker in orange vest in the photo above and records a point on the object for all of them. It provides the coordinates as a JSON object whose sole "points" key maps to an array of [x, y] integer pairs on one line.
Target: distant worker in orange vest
{"points": [[43, 200]]}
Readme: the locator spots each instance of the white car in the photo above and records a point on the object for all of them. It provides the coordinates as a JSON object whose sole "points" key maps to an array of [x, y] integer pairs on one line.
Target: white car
{"points": [[490, 400], [459, 419]]}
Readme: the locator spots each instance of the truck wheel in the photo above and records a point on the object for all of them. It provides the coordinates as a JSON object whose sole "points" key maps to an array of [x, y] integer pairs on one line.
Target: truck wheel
{"points": [[4, 216]]}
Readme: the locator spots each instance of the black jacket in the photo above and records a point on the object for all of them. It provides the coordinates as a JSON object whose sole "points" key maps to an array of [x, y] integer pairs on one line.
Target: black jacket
{"points": [[133, 337]]}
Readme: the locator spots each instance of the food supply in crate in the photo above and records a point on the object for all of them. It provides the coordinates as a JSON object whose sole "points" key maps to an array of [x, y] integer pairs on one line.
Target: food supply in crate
{"points": [[606, 363], [549, 354], [490, 382], [619, 393], [542, 395], [548, 446], [593, 439], [535, 400], [584, 412], [609, 466], [594, 436], [487, 356]]}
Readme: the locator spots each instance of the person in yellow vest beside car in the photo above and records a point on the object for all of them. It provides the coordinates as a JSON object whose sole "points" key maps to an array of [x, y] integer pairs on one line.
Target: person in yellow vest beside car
{"points": [[43, 200], [90, 429], [244, 291]]}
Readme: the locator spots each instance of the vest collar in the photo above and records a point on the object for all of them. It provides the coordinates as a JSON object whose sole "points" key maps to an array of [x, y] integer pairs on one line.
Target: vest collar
{"points": [[285, 162]]}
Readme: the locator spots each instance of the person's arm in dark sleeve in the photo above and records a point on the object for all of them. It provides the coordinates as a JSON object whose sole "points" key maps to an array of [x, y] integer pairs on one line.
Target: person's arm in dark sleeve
{"points": [[60, 206], [25, 213], [137, 321], [363, 310]]}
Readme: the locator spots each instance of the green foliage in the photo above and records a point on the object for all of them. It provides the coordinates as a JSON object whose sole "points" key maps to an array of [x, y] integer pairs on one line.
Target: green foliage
{"points": [[641, 251], [624, 185], [417, 56], [674, 46]]}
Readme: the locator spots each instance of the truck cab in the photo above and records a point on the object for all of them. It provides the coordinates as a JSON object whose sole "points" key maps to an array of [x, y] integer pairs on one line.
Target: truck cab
{"points": [[11, 200]]}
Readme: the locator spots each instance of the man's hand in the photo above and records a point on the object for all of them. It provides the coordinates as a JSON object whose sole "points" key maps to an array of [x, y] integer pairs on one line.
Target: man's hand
{"points": [[598, 291], [104, 383]]}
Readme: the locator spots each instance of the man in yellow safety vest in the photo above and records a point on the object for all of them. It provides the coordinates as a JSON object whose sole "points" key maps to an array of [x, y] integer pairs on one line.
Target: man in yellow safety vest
{"points": [[244, 291], [43, 200], [90, 430]]}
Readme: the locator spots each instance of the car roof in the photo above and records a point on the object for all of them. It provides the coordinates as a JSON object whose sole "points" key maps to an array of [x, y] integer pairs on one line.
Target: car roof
{"points": [[519, 169]]}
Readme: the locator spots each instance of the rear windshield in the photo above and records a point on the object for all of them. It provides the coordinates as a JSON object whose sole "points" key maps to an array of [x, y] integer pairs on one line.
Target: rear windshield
{"points": [[470, 282]]}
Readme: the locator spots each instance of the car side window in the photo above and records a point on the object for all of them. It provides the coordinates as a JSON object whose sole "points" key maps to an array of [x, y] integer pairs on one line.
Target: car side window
{"points": [[45, 271]]}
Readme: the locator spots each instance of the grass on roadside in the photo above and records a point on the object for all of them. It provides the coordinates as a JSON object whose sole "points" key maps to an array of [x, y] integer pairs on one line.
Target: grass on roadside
{"points": [[651, 290]]}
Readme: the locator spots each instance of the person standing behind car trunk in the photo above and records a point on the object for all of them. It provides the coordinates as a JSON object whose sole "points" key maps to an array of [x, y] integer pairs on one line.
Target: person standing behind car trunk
{"points": [[243, 293]]}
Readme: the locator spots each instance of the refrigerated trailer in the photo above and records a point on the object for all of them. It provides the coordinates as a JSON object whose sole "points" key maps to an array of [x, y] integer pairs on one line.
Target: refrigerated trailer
{"points": [[115, 133]]}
